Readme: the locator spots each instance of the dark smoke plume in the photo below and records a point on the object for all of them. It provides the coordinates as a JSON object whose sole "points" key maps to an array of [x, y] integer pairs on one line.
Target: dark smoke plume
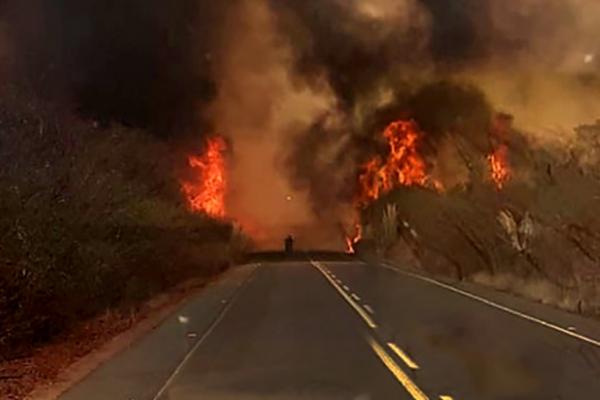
{"points": [[448, 64], [311, 82], [145, 63]]}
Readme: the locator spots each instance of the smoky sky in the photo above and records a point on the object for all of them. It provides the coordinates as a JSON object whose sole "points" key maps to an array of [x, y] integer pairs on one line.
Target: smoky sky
{"points": [[455, 33], [144, 63], [350, 64], [457, 29], [149, 63]]}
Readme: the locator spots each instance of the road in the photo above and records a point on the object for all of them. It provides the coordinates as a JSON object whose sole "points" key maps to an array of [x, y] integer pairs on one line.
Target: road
{"points": [[327, 328]]}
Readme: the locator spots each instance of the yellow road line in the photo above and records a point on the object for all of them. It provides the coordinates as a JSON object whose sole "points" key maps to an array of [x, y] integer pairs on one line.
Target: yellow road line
{"points": [[369, 321], [389, 362], [446, 398], [403, 356]]}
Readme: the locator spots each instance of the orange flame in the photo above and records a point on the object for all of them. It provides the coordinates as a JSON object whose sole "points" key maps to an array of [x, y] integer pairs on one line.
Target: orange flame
{"points": [[351, 241], [207, 193], [499, 166], [403, 167]]}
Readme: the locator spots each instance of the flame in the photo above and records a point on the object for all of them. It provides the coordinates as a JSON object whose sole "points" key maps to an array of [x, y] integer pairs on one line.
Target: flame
{"points": [[351, 241], [499, 166], [403, 167], [207, 193]]}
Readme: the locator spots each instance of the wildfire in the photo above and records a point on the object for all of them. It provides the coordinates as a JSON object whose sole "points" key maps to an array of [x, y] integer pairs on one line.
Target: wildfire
{"points": [[351, 241], [403, 167], [499, 166], [207, 193]]}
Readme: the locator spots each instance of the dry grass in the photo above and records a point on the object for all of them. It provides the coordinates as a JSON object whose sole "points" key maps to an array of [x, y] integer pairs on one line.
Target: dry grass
{"points": [[539, 290]]}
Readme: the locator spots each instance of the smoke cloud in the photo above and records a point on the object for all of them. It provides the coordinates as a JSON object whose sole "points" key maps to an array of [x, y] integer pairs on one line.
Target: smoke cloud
{"points": [[261, 108], [303, 89], [450, 65], [144, 63]]}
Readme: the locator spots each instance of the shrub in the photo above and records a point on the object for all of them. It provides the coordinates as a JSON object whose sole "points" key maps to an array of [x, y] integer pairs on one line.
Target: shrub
{"points": [[90, 219]]}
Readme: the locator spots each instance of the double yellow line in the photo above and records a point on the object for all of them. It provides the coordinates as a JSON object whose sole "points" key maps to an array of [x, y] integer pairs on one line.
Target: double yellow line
{"points": [[389, 362], [383, 355]]}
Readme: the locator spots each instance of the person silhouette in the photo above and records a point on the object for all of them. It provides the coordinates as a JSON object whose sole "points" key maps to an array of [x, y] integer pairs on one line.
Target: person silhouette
{"points": [[289, 244]]}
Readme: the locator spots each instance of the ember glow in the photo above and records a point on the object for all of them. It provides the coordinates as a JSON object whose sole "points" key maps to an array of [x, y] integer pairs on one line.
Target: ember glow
{"points": [[207, 193], [404, 165], [499, 166]]}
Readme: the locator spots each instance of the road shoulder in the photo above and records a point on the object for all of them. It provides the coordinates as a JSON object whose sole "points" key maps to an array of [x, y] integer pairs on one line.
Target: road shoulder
{"points": [[532, 310], [160, 314]]}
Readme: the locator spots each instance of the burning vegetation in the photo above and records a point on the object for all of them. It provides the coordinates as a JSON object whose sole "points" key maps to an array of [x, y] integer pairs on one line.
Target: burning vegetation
{"points": [[499, 166], [351, 241], [507, 219], [403, 166], [206, 193], [93, 224]]}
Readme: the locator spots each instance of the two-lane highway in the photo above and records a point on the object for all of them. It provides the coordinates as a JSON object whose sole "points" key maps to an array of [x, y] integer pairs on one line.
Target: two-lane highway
{"points": [[472, 347], [286, 336], [318, 329]]}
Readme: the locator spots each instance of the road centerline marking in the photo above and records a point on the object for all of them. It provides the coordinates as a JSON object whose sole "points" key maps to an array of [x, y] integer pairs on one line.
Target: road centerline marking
{"points": [[368, 320], [355, 297], [398, 373], [369, 309], [403, 356], [500, 307]]}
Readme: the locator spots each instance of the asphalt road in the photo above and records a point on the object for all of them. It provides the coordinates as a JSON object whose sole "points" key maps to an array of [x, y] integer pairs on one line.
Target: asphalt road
{"points": [[331, 329]]}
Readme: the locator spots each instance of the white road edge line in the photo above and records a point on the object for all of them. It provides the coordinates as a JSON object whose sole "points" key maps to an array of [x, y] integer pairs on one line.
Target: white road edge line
{"points": [[210, 329], [369, 321], [490, 303]]}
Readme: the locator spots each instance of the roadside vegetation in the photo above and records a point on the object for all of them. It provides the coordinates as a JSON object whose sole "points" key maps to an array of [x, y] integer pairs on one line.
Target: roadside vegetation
{"points": [[91, 219], [536, 236]]}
